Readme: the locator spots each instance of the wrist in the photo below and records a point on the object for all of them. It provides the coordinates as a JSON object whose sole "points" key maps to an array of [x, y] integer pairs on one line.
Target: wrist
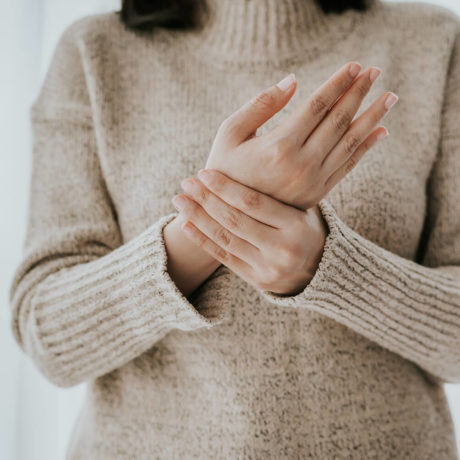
{"points": [[202, 259]]}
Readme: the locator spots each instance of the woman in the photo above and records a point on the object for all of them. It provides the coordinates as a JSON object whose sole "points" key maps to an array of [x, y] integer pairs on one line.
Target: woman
{"points": [[303, 300]]}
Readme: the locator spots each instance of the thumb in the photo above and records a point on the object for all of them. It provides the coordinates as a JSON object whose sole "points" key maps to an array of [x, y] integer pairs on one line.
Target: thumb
{"points": [[244, 122]]}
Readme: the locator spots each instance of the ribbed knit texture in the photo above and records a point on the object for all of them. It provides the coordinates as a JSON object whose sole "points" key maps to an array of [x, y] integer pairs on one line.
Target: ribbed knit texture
{"points": [[353, 366]]}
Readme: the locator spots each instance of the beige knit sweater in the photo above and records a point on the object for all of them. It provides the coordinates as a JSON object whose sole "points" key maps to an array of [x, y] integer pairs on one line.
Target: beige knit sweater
{"points": [[353, 366]]}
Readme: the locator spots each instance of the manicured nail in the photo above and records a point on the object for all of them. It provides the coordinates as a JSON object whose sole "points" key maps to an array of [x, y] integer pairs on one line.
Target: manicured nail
{"points": [[286, 82], [354, 69], [374, 74], [391, 100], [178, 202], [382, 134]]}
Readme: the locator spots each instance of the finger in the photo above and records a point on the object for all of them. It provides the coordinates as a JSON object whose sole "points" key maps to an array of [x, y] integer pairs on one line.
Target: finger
{"points": [[338, 120], [236, 265], [190, 210], [309, 113], [257, 205], [252, 115], [377, 134], [238, 223], [357, 132]]}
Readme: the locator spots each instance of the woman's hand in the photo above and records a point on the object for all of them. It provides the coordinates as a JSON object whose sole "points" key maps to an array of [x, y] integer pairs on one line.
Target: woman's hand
{"points": [[303, 158], [271, 245]]}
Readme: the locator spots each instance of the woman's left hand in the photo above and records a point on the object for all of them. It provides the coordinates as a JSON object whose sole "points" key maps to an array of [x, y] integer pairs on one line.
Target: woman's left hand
{"points": [[271, 245]]}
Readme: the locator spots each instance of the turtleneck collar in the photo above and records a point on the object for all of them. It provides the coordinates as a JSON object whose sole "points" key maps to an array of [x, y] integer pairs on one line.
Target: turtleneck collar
{"points": [[236, 31]]}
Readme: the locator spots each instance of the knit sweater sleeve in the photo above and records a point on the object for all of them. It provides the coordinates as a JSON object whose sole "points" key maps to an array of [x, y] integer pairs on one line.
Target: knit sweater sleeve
{"points": [[409, 308], [83, 302]]}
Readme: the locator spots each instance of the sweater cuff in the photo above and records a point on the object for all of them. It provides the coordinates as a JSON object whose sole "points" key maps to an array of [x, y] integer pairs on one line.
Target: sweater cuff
{"points": [[187, 315], [407, 308], [379, 294], [334, 252], [94, 317]]}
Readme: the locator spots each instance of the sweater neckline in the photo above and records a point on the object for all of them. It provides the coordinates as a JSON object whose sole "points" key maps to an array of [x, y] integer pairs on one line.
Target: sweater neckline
{"points": [[268, 32]]}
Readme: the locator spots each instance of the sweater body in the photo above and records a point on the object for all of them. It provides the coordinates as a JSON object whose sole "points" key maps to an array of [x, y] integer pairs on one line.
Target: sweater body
{"points": [[269, 380]]}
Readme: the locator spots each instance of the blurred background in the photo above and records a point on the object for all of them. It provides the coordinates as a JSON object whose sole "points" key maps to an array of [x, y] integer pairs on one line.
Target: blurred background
{"points": [[36, 417]]}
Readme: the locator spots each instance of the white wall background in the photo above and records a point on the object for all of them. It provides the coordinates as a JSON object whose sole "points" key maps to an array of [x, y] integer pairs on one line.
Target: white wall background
{"points": [[36, 417]]}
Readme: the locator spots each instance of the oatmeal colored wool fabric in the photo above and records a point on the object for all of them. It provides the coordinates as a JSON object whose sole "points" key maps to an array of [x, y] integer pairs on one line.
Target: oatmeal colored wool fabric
{"points": [[353, 366]]}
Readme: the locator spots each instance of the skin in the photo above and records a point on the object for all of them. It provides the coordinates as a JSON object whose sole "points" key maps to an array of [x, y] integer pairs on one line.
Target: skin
{"points": [[264, 241], [267, 228]]}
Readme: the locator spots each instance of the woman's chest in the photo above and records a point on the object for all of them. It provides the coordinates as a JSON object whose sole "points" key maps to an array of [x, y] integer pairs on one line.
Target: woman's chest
{"points": [[155, 138]]}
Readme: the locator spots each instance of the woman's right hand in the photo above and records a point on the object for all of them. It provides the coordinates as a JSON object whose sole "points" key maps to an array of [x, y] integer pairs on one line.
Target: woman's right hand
{"points": [[301, 159]]}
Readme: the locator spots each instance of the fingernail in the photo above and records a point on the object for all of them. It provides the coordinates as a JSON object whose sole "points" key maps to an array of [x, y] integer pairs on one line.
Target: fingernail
{"points": [[391, 100], [374, 74], [178, 202], [382, 134], [354, 69], [286, 82]]}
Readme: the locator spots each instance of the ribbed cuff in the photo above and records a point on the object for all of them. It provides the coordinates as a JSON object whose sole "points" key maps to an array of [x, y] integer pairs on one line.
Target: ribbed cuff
{"points": [[93, 317], [408, 308]]}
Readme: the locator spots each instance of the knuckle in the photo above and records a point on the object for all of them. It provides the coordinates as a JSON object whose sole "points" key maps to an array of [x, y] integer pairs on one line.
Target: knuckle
{"points": [[287, 256], [319, 105], [232, 219], [222, 236], [220, 254], [350, 164], [287, 144], [230, 125], [344, 84], [340, 119], [282, 148], [225, 125], [362, 89], [264, 100], [351, 143], [251, 199]]}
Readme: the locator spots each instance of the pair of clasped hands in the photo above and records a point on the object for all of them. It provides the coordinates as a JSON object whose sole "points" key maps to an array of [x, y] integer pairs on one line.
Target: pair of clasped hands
{"points": [[254, 208]]}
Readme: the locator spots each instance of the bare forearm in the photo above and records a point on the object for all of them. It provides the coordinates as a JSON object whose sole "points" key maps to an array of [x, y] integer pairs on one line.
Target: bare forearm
{"points": [[188, 265]]}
